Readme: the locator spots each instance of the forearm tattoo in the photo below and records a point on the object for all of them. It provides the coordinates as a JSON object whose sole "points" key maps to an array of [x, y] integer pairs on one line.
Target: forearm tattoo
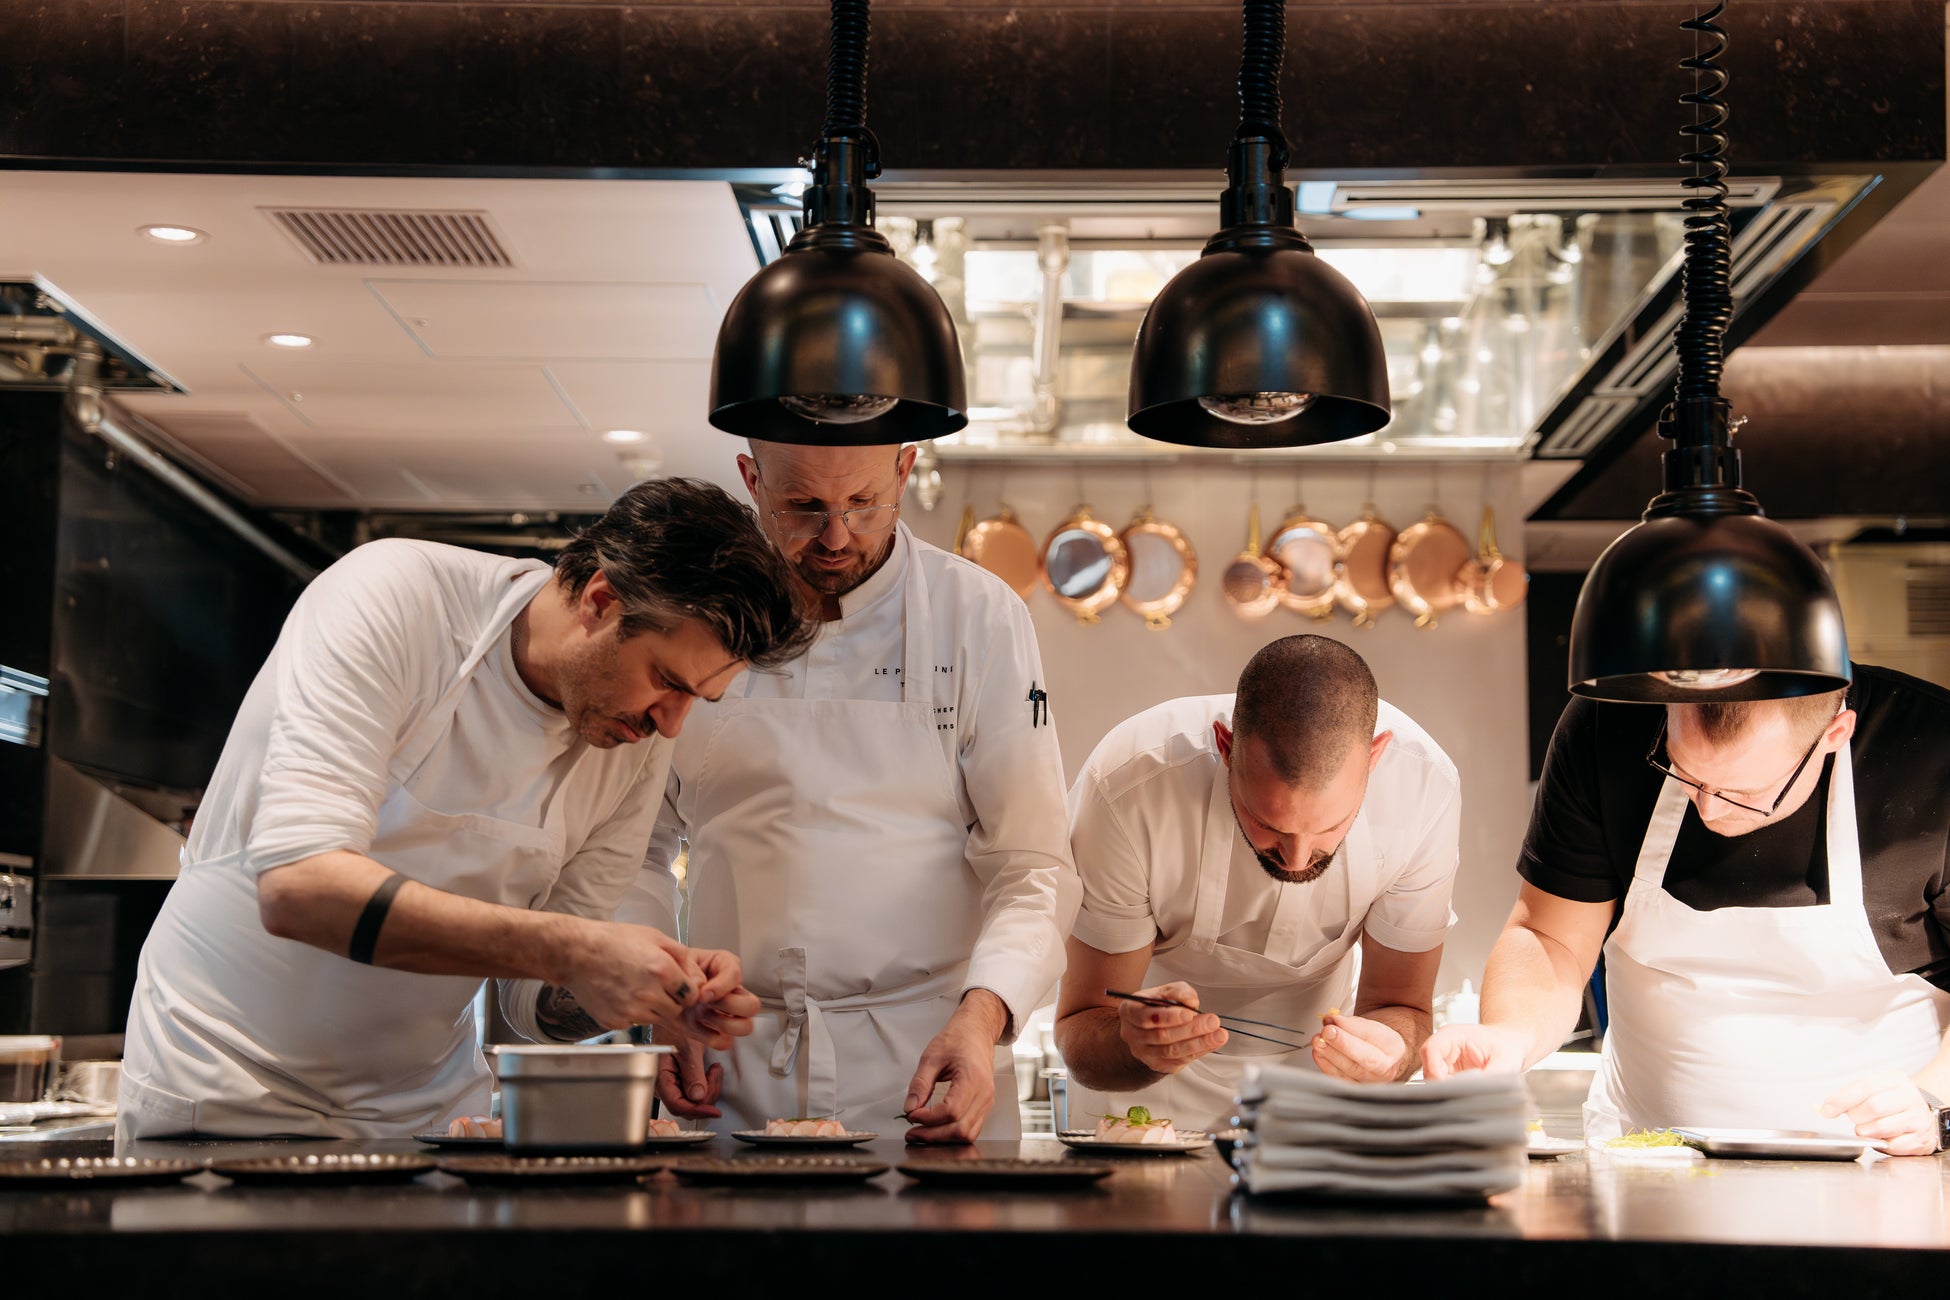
{"points": [[562, 1017]]}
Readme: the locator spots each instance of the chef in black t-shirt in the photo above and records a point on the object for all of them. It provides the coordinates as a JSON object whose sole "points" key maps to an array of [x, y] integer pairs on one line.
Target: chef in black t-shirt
{"points": [[1767, 882]]}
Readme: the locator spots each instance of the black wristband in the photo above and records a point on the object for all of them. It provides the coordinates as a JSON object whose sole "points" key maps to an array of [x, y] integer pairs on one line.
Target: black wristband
{"points": [[365, 935]]}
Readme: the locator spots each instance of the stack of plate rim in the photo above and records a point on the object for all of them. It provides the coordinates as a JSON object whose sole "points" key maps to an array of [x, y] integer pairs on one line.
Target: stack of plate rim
{"points": [[1465, 1138]]}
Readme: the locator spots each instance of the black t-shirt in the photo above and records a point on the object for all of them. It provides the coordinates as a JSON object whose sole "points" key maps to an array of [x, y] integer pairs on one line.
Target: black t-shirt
{"points": [[1597, 794]]}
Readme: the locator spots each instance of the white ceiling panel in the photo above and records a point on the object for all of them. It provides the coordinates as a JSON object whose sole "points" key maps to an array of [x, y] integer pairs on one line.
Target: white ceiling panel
{"points": [[612, 301], [434, 397], [554, 321]]}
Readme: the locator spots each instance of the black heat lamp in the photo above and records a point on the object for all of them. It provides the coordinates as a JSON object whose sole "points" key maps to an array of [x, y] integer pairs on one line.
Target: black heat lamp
{"points": [[1706, 599], [1258, 343], [839, 343]]}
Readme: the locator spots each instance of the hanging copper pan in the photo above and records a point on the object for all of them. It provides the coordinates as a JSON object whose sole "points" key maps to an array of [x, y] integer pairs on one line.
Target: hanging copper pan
{"points": [[1163, 567], [1492, 581], [1424, 566], [1004, 547], [1361, 573], [1085, 565], [1252, 582], [1306, 551]]}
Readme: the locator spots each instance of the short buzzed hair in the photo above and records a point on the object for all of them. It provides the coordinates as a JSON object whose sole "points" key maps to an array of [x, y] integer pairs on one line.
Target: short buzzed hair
{"points": [[1308, 700], [1723, 721]]}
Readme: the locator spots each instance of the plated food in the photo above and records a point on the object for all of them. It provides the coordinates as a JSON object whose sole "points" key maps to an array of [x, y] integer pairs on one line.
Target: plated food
{"points": [[479, 1131], [1135, 1125], [823, 1130], [804, 1128], [1136, 1130]]}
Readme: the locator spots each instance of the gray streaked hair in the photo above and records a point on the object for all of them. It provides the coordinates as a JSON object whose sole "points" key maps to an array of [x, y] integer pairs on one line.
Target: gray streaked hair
{"points": [[682, 548]]}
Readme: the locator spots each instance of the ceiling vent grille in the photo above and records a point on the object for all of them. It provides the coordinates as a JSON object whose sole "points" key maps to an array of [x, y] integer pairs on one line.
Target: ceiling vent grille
{"points": [[1929, 599], [377, 237]]}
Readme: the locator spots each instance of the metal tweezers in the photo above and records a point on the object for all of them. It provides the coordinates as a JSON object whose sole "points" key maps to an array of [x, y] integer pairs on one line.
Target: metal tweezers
{"points": [[1224, 1020]]}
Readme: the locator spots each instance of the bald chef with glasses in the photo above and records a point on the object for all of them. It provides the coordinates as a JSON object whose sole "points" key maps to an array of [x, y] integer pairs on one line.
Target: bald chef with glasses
{"points": [[878, 829], [1772, 877]]}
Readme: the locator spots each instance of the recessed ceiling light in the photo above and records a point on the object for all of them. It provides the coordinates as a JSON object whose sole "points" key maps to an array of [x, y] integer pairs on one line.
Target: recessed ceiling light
{"points": [[623, 435], [288, 340], [174, 234]]}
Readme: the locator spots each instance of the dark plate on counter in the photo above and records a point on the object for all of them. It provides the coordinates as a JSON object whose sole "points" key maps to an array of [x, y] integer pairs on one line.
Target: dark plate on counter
{"points": [[69, 1171], [1002, 1172], [553, 1171], [448, 1140], [317, 1170], [710, 1171]]}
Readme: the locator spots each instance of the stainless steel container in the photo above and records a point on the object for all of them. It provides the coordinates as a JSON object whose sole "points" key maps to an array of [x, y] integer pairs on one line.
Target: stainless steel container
{"points": [[571, 1098]]}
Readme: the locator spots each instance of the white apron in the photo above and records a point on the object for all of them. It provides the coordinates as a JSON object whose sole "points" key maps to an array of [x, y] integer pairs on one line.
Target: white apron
{"points": [[1239, 981], [235, 1032], [829, 851], [1750, 1017]]}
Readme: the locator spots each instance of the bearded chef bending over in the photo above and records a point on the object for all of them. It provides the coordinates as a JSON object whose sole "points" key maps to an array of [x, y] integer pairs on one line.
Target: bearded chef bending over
{"points": [[1768, 884], [877, 830], [435, 779], [1276, 854]]}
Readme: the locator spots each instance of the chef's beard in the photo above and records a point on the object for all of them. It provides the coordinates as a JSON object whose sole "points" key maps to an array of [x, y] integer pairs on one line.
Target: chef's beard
{"points": [[837, 582], [1316, 866], [584, 683]]}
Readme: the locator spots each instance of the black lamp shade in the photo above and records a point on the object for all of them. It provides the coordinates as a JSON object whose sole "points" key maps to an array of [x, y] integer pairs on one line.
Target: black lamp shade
{"points": [[1707, 594], [848, 320], [1258, 320]]}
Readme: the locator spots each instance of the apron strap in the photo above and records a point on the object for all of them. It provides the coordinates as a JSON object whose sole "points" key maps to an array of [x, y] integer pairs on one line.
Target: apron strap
{"points": [[1214, 863], [420, 742]]}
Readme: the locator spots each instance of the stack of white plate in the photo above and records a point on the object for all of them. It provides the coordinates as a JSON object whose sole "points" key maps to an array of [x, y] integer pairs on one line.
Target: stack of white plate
{"points": [[1461, 1139]]}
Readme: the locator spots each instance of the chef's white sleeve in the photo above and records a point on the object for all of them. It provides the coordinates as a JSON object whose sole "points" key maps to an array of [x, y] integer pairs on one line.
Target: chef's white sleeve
{"points": [[598, 877], [1413, 914], [343, 693], [1116, 914], [1019, 842]]}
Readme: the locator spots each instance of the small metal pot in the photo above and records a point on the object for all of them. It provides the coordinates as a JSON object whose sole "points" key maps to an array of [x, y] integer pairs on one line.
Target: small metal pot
{"points": [[1163, 568], [1003, 546], [1307, 552], [1492, 581], [1423, 567], [1361, 573], [1252, 582], [1085, 565], [568, 1098]]}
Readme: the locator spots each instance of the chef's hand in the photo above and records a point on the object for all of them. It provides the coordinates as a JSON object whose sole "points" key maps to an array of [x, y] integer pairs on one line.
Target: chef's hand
{"points": [[724, 1007], [1453, 1049], [687, 1088], [1359, 1050], [625, 975], [962, 1056], [1165, 1040], [1890, 1109]]}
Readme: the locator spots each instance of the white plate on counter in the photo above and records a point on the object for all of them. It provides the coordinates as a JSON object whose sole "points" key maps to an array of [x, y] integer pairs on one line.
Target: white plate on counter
{"points": [[1085, 1140], [759, 1137], [1773, 1144]]}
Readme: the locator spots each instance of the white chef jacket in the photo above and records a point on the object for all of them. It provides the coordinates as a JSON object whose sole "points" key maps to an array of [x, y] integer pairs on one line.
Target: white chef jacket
{"points": [[1009, 776], [365, 657], [1138, 814]]}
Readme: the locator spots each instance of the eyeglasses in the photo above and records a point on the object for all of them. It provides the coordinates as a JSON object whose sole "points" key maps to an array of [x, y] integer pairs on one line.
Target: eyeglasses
{"points": [[861, 521], [1659, 742]]}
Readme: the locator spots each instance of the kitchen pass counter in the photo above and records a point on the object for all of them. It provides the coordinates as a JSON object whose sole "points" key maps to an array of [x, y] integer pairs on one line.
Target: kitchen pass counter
{"points": [[1597, 1227]]}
